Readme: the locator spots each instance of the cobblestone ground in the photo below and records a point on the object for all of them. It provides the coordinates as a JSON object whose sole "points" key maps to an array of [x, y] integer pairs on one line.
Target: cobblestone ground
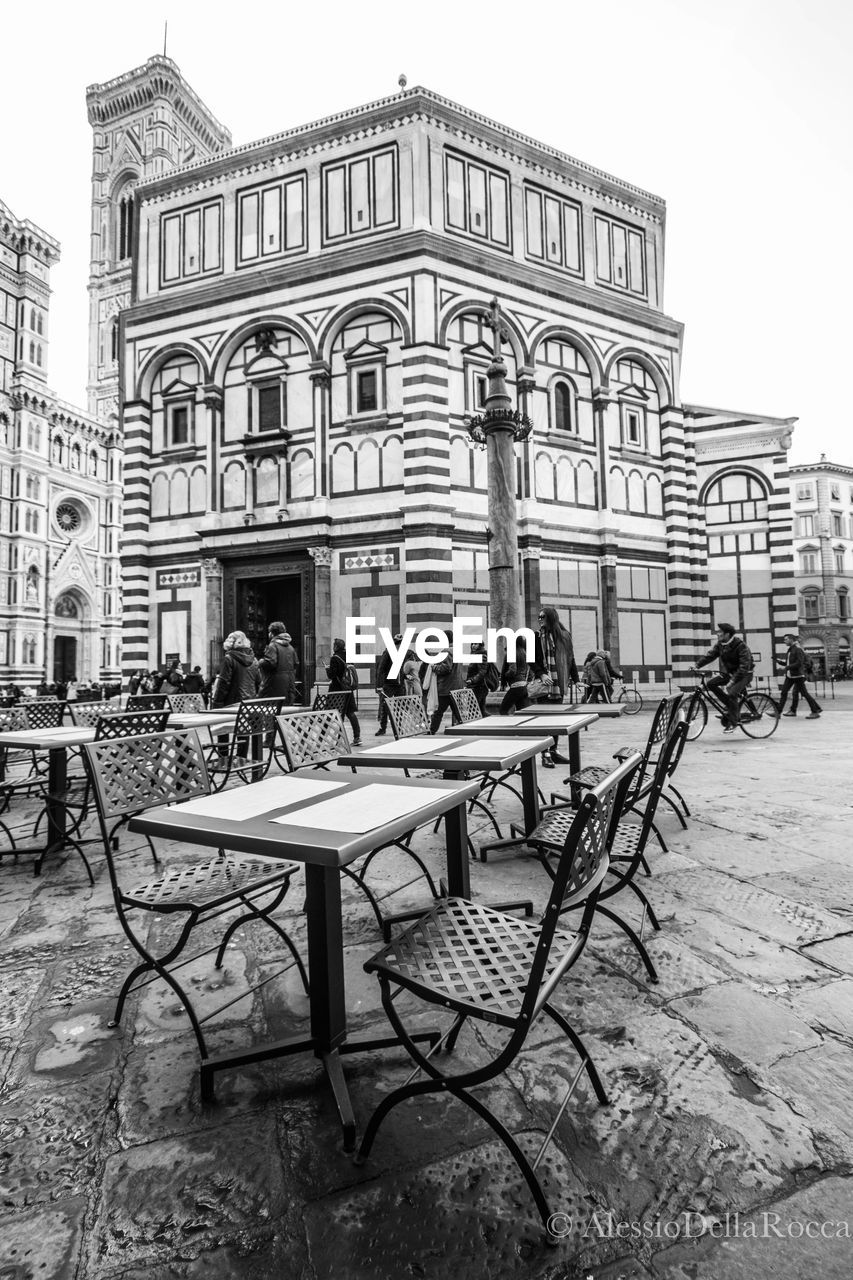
{"points": [[729, 1080]]}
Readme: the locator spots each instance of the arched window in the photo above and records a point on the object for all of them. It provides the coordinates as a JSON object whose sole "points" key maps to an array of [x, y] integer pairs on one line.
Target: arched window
{"points": [[75, 457], [32, 353], [565, 415], [843, 603], [33, 319], [38, 355], [124, 227], [114, 341], [93, 463], [57, 450], [40, 324]]}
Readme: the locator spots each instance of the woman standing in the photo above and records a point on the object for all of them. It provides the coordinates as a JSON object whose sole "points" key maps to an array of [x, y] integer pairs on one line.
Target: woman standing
{"points": [[555, 653], [339, 682], [239, 677]]}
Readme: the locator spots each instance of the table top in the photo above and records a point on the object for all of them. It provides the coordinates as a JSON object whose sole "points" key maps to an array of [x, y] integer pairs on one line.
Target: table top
{"points": [[573, 708], [521, 724], [201, 719], [423, 751], [323, 818], [49, 739]]}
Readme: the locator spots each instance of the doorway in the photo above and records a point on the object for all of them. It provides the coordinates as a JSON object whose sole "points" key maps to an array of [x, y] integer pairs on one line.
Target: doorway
{"points": [[64, 658], [260, 601]]}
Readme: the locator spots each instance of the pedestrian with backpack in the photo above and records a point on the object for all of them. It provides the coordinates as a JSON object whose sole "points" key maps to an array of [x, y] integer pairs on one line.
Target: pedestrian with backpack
{"points": [[796, 673], [342, 679]]}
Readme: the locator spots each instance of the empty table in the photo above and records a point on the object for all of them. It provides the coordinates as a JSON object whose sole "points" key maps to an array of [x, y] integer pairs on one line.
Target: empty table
{"points": [[480, 754], [326, 821]]}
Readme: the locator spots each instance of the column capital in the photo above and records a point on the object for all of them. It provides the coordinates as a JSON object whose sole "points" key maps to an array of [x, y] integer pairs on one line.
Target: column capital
{"points": [[212, 567], [211, 396], [322, 557], [601, 397], [320, 373]]}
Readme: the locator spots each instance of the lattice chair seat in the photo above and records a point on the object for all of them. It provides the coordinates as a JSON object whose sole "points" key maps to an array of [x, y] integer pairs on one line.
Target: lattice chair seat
{"points": [[468, 956], [663, 721], [482, 964], [207, 884], [131, 775]]}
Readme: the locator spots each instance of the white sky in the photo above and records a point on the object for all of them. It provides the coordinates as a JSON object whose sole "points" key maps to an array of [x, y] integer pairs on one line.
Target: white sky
{"points": [[737, 112]]}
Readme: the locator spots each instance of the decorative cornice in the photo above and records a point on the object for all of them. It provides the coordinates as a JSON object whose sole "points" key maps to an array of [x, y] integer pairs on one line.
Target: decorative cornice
{"points": [[417, 105]]}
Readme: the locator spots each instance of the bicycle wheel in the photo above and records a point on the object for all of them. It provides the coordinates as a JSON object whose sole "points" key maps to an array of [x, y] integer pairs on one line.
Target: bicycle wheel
{"points": [[633, 701], [696, 717], [759, 715]]}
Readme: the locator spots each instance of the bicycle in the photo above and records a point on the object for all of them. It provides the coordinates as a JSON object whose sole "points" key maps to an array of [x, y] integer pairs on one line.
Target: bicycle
{"points": [[759, 714], [632, 698]]}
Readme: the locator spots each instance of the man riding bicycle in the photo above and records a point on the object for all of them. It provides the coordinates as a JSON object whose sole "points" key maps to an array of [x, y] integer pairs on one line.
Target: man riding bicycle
{"points": [[736, 666]]}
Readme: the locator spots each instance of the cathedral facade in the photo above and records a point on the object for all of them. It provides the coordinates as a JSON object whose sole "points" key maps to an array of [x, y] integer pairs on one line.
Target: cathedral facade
{"points": [[305, 339], [60, 492]]}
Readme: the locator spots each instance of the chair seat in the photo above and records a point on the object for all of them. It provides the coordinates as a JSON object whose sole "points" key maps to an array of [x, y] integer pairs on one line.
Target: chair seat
{"points": [[554, 827], [625, 842], [590, 775], [470, 957], [204, 885]]}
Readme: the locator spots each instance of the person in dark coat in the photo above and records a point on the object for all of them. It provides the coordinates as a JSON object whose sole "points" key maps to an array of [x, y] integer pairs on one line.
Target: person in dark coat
{"points": [[795, 678], [239, 676], [279, 665], [194, 682], [338, 683], [735, 663], [386, 687], [449, 676]]}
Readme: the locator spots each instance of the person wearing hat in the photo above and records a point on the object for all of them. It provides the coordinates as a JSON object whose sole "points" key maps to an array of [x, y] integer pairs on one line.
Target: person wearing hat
{"points": [[385, 686], [795, 679], [279, 665]]}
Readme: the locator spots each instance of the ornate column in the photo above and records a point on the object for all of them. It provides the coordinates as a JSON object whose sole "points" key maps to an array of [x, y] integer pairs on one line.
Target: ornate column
{"points": [[212, 401], [609, 603], [322, 557], [600, 402], [213, 620], [525, 385], [321, 386]]}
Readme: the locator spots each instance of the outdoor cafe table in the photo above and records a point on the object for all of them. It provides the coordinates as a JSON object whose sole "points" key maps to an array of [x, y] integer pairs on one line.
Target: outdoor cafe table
{"points": [[325, 821], [479, 755], [528, 724], [56, 742], [574, 708]]}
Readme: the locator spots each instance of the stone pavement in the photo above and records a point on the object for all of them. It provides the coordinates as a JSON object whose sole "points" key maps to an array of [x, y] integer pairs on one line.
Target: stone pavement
{"points": [[725, 1152]]}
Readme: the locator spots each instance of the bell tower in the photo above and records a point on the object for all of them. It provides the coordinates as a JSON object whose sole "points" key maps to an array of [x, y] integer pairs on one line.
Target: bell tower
{"points": [[145, 123]]}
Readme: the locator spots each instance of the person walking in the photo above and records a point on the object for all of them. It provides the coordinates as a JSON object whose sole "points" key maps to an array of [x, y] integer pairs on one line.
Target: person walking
{"points": [[795, 679], [239, 677], [386, 687], [411, 673], [735, 671], [448, 676], [482, 678], [515, 677], [340, 681], [279, 665]]}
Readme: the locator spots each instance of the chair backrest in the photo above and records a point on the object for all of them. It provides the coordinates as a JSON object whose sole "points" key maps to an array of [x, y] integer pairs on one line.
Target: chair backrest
{"points": [[147, 702], [312, 738], [134, 774], [335, 701], [13, 719], [43, 715], [130, 724], [257, 717], [408, 715], [578, 875], [181, 702], [663, 720], [89, 713], [673, 747], [466, 705]]}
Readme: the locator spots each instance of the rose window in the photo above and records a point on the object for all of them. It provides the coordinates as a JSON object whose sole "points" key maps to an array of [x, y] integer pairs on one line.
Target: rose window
{"points": [[68, 517]]}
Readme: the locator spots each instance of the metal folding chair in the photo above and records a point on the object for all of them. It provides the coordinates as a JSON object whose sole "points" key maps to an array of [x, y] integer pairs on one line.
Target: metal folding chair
{"points": [[316, 739], [134, 774], [147, 702], [483, 964], [336, 701], [183, 702], [248, 750]]}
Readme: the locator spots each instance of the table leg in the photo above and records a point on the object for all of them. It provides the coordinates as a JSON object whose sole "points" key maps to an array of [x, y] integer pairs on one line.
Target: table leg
{"points": [[575, 766], [456, 848], [57, 780], [529, 794]]}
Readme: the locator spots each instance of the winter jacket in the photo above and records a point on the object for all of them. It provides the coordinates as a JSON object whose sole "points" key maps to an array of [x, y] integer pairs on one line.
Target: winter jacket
{"points": [[194, 682], [795, 661], [337, 671], [449, 676], [733, 656], [595, 671], [278, 669], [383, 677], [239, 677]]}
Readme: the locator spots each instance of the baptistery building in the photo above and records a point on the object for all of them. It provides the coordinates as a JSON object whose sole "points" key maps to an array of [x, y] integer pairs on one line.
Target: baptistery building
{"points": [[305, 337]]}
